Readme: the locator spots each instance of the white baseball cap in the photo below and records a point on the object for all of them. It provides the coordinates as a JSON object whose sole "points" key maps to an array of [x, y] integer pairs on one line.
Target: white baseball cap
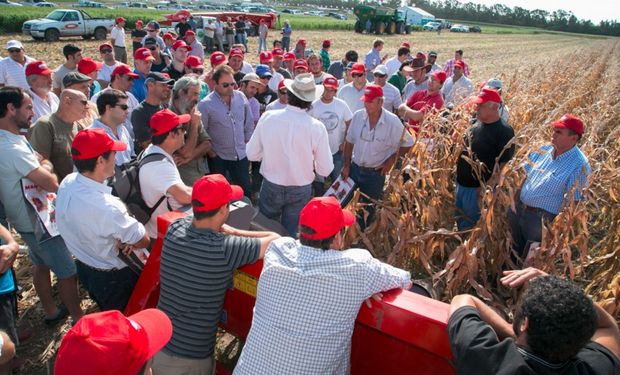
{"points": [[14, 44], [381, 69]]}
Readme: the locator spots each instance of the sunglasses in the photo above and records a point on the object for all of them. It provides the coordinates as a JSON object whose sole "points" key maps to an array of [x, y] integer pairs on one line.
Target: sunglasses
{"points": [[154, 48], [180, 128], [124, 107], [106, 51], [14, 50], [199, 71], [357, 75], [380, 75], [228, 84], [151, 31]]}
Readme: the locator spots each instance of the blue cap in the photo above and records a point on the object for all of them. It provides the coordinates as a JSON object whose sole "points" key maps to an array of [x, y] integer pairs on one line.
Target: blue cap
{"points": [[263, 71], [154, 25]]}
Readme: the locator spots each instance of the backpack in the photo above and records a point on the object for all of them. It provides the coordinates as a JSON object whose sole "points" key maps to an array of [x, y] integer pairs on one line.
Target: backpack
{"points": [[126, 186]]}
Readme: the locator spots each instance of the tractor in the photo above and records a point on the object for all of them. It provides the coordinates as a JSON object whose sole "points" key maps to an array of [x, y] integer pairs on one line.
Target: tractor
{"points": [[382, 19]]}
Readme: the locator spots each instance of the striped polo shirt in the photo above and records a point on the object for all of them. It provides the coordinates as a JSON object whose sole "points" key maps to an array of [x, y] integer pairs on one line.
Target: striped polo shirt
{"points": [[196, 270]]}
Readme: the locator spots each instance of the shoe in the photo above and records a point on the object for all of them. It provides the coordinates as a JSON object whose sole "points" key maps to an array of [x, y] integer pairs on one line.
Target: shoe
{"points": [[61, 315]]}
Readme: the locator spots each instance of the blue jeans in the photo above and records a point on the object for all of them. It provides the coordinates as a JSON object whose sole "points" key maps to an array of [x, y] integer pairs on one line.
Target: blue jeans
{"points": [[467, 208], [370, 182], [284, 203], [237, 170], [286, 43], [262, 44], [338, 161], [526, 226]]}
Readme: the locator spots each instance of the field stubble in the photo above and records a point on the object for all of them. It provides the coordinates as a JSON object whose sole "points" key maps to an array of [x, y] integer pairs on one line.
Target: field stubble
{"points": [[545, 76]]}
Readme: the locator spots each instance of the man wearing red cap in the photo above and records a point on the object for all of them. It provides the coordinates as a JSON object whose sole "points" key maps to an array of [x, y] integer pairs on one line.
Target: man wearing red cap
{"points": [[278, 56], [556, 176], [375, 140], [352, 92], [485, 143], [235, 61], [266, 58], [73, 55], [110, 343], [196, 246], [324, 53], [423, 101], [39, 78], [457, 87], [449, 66], [196, 47], [96, 225], [289, 63], [109, 64], [117, 39], [300, 66], [180, 51], [137, 35], [143, 61], [309, 295], [336, 116], [91, 68]]}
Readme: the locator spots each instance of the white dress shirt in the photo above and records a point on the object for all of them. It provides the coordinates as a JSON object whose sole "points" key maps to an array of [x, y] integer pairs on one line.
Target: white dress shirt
{"points": [[351, 96], [455, 93], [90, 220], [122, 157], [42, 107], [275, 81], [291, 145]]}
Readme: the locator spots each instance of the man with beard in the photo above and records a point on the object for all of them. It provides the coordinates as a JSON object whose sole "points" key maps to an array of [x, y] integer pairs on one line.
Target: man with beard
{"points": [[235, 61], [420, 78], [250, 85], [18, 161], [158, 91], [315, 64], [39, 78], [191, 158]]}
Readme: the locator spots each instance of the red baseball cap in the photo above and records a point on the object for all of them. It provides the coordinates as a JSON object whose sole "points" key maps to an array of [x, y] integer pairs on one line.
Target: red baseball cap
{"points": [[278, 52], [139, 22], [110, 343], [180, 44], [330, 81], [571, 122], [372, 92], [91, 143], [302, 41], [165, 120], [104, 45], [487, 95], [122, 70], [440, 75], [193, 62], [120, 19], [300, 64], [235, 52], [420, 55], [358, 68], [190, 33], [281, 85], [88, 65], [460, 64], [217, 58], [265, 57], [406, 45], [143, 54], [39, 68], [325, 216], [289, 56], [214, 191], [327, 43], [168, 36]]}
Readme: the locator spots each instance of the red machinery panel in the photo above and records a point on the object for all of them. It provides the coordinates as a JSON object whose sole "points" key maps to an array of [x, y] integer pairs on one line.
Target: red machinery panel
{"points": [[405, 333]]}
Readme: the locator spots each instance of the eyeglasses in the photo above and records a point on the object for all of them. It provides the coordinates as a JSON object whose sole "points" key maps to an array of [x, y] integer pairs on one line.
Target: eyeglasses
{"points": [[151, 31], [124, 107], [380, 75], [198, 71], [357, 75], [154, 48], [228, 84], [14, 50], [106, 51]]}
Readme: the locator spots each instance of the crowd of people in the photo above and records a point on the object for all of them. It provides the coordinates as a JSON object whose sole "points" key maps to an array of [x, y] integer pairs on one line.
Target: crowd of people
{"points": [[204, 133]]}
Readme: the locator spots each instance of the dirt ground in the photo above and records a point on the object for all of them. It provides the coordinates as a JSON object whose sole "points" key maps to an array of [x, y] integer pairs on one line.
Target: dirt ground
{"points": [[504, 56]]}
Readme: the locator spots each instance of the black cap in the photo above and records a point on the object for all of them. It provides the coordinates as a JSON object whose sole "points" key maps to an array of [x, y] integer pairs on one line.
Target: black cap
{"points": [[74, 77], [158, 77], [150, 40]]}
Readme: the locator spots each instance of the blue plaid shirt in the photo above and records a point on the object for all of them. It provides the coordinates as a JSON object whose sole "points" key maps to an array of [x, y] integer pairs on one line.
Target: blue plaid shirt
{"points": [[306, 305], [550, 179]]}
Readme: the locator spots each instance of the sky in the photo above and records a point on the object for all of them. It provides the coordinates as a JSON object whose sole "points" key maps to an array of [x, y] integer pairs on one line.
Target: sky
{"points": [[594, 10]]}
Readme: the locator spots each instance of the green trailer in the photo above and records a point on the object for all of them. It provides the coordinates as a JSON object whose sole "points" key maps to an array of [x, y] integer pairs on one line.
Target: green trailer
{"points": [[382, 20]]}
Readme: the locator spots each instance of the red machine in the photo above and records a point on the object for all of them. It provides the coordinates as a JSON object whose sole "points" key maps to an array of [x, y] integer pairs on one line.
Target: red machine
{"points": [[269, 18], [405, 333]]}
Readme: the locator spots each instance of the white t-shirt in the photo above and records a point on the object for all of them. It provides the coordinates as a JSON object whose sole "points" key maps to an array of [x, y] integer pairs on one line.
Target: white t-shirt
{"points": [[118, 34], [333, 116], [275, 81], [391, 97], [351, 96], [247, 68], [105, 73], [59, 74], [155, 179]]}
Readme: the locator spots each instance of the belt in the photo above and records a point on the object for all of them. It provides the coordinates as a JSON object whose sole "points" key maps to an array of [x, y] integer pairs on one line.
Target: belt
{"points": [[537, 210], [98, 269], [119, 47], [367, 169]]}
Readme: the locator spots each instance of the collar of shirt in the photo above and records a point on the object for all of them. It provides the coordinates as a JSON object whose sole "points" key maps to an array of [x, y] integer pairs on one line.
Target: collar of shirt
{"points": [[565, 155], [92, 184], [154, 149]]}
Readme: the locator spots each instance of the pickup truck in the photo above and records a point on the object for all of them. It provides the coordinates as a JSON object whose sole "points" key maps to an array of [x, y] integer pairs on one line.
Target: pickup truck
{"points": [[67, 22]]}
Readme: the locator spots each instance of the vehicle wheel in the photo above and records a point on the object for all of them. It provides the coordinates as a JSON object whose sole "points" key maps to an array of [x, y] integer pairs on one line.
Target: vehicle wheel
{"points": [[100, 33], [86, 37], [358, 27], [400, 27], [379, 28], [391, 28], [52, 35], [408, 29]]}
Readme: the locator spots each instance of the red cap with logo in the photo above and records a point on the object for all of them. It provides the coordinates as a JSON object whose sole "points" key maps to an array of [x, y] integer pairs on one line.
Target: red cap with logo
{"points": [[300, 64], [165, 120], [91, 143], [122, 70], [265, 57], [194, 61], [406, 45], [358, 68], [212, 192], [570, 122], [180, 44], [88, 65], [278, 52], [289, 56], [110, 343], [487, 95], [139, 22], [325, 216], [460, 64], [235, 52], [143, 54], [190, 33], [168, 36], [104, 46], [217, 58], [38, 68], [372, 92], [440, 75], [120, 19], [281, 85], [330, 81]]}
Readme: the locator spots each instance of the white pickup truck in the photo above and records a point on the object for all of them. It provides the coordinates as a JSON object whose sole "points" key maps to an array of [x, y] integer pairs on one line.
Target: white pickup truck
{"points": [[67, 22]]}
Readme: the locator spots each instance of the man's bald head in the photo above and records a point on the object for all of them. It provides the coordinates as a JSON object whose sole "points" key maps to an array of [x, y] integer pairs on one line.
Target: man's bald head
{"points": [[73, 105]]}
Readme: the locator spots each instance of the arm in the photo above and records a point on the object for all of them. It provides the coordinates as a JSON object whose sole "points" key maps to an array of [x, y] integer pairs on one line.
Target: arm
{"points": [[389, 162], [8, 350], [346, 166], [8, 251], [501, 327], [41, 138], [248, 118], [607, 333], [181, 192], [410, 114], [194, 128], [44, 178], [265, 237]]}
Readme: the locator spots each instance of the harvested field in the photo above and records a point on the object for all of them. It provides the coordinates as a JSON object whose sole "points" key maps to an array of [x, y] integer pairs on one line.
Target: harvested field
{"points": [[545, 76]]}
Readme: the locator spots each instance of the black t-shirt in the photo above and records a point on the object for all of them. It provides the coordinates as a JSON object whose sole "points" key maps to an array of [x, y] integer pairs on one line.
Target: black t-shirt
{"points": [[478, 351], [487, 142], [172, 72], [162, 65], [137, 33], [285, 73], [182, 28], [266, 97], [140, 120], [239, 27], [238, 77]]}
